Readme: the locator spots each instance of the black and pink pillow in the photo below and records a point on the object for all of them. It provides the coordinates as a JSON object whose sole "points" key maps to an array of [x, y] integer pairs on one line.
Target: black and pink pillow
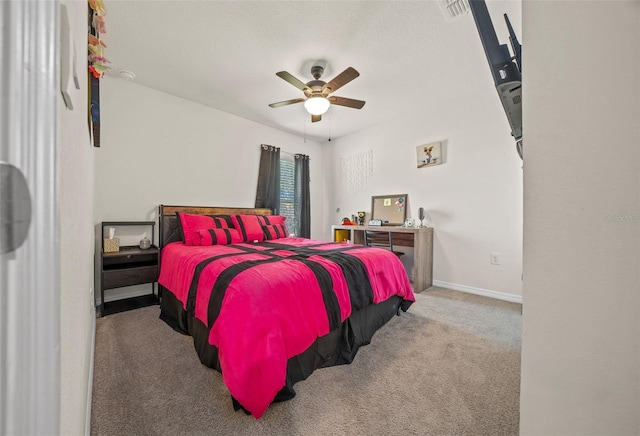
{"points": [[249, 227], [275, 231], [191, 223], [224, 236], [266, 220]]}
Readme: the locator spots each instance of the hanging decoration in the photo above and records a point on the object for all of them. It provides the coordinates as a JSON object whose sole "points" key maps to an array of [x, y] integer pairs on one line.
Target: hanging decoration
{"points": [[97, 65], [97, 25], [97, 62], [356, 170]]}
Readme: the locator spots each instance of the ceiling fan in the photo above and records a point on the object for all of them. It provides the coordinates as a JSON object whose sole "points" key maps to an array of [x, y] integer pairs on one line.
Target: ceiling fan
{"points": [[317, 92]]}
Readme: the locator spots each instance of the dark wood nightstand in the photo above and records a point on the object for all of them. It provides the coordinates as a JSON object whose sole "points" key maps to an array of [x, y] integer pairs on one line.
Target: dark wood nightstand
{"points": [[130, 265]]}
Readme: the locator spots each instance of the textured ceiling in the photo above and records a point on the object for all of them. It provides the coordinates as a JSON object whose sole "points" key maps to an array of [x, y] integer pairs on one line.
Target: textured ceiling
{"points": [[224, 54]]}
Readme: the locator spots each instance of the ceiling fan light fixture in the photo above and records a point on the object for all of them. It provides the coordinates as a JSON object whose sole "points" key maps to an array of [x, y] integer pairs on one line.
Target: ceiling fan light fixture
{"points": [[316, 105], [317, 92]]}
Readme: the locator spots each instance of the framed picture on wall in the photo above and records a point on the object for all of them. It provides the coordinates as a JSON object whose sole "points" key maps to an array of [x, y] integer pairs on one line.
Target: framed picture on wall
{"points": [[429, 155]]}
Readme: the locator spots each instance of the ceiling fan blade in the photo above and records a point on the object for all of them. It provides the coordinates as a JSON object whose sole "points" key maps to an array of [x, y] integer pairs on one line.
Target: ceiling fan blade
{"points": [[340, 80], [348, 102], [287, 102], [293, 80], [315, 118]]}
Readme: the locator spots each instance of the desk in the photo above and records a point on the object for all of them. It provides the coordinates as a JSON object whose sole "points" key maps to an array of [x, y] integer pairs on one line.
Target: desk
{"points": [[420, 238]]}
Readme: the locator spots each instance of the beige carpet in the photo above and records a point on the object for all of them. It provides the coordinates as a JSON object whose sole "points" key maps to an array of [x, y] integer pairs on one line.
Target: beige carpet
{"points": [[449, 366]]}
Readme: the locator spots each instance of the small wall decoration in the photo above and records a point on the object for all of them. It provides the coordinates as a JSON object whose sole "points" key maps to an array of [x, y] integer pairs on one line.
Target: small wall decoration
{"points": [[356, 170], [429, 154], [97, 65]]}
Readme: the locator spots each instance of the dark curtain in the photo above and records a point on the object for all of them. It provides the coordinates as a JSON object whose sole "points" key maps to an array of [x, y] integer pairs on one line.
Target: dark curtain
{"points": [[268, 192], [301, 197]]}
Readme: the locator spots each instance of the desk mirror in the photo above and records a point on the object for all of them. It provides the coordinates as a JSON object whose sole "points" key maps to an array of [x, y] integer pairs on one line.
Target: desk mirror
{"points": [[390, 209]]}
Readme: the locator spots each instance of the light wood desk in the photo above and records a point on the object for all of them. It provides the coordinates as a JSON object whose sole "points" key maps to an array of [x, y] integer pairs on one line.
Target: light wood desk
{"points": [[420, 238]]}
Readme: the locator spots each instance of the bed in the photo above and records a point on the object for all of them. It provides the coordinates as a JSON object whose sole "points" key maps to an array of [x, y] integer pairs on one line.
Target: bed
{"points": [[267, 309]]}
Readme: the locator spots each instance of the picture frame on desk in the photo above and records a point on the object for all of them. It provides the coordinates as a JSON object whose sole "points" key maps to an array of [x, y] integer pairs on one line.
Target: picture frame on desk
{"points": [[390, 210]]}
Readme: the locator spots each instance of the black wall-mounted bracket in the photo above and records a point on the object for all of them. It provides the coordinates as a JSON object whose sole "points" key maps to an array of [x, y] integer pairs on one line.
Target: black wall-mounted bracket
{"points": [[505, 69]]}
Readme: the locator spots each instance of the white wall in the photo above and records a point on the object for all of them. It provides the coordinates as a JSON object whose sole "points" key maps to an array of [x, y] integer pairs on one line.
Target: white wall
{"points": [[76, 243], [581, 322], [160, 149], [474, 199]]}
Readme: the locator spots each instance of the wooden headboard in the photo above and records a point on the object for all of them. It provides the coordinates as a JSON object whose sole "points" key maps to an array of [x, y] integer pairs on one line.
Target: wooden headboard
{"points": [[169, 226]]}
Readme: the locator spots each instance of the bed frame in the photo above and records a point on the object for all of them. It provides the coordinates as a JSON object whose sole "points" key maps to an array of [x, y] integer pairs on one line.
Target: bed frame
{"points": [[336, 348]]}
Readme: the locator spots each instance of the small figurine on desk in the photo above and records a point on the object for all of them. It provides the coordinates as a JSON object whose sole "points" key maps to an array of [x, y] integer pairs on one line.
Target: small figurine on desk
{"points": [[361, 218]]}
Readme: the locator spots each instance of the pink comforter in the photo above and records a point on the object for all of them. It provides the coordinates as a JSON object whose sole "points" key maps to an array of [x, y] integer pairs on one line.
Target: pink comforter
{"points": [[275, 309]]}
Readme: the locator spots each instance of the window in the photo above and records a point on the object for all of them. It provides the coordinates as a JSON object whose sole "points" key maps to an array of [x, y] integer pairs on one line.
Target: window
{"points": [[283, 186], [287, 191]]}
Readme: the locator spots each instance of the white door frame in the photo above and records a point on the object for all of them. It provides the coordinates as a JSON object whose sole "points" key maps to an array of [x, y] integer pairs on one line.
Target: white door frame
{"points": [[29, 276]]}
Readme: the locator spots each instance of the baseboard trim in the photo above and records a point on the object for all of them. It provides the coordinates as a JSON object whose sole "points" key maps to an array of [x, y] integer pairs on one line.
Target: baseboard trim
{"points": [[87, 424], [479, 291]]}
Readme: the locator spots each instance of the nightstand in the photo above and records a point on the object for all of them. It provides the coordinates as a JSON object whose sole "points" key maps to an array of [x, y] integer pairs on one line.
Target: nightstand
{"points": [[130, 265]]}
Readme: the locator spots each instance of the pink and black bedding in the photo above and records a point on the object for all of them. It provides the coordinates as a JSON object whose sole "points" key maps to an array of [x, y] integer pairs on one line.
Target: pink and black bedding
{"points": [[267, 314]]}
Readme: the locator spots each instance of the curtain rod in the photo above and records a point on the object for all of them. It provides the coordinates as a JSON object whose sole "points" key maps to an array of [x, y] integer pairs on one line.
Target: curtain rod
{"points": [[293, 154], [288, 153]]}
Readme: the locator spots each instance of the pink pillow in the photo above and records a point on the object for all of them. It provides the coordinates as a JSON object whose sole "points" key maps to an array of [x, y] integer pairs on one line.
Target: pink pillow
{"points": [[266, 220], [249, 227], [273, 219], [275, 231], [215, 237], [221, 222], [191, 223]]}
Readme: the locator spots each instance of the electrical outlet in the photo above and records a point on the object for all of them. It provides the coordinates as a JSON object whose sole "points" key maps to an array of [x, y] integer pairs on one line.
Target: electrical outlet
{"points": [[495, 258]]}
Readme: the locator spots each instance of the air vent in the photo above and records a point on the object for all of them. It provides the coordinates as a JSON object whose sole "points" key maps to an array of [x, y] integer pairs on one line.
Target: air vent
{"points": [[453, 9]]}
